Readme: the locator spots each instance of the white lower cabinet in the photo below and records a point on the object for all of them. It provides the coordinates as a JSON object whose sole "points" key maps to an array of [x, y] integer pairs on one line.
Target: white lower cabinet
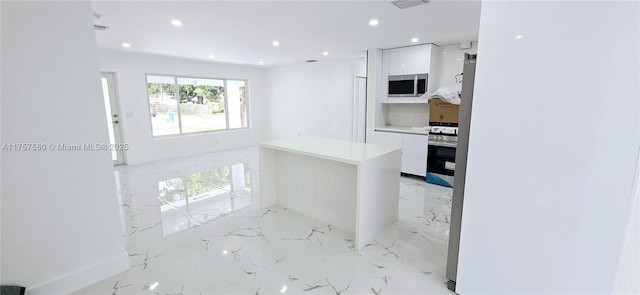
{"points": [[391, 139], [414, 150], [414, 154]]}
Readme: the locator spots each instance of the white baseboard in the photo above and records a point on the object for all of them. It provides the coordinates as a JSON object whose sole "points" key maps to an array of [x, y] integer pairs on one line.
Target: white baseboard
{"points": [[82, 278]]}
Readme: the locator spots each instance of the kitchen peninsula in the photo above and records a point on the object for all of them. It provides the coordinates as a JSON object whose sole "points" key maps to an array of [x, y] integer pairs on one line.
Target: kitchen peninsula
{"points": [[353, 186]]}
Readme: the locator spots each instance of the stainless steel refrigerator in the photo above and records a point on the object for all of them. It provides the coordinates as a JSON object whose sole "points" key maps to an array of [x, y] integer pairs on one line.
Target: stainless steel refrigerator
{"points": [[469, 73]]}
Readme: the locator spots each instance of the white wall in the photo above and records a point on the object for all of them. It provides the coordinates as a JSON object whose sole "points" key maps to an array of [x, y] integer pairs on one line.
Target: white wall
{"points": [[312, 99], [412, 115], [554, 138], [131, 70], [451, 63], [60, 219]]}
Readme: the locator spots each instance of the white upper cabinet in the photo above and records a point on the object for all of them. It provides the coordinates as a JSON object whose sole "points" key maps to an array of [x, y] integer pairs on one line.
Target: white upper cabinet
{"points": [[417, 59], [385, 63], [398, 59]]}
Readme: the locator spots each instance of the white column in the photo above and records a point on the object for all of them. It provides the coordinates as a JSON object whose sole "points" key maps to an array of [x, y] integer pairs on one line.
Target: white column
{"points": [[552, 149]]}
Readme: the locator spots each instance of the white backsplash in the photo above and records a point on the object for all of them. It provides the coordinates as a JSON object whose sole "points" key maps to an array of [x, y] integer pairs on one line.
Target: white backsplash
{"points": [[412, 115]]}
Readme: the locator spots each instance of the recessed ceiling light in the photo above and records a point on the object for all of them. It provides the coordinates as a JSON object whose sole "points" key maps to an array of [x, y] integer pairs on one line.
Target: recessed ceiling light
{"points": [[126, 45], [275, 43], [325, 53], [211, 56], [374, 22], [154, 285], [519, 37], [260, 62], [414, 40], [176, 23]]}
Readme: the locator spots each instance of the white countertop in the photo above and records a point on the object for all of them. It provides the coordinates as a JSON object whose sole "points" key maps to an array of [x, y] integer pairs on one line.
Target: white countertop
{"points": [[331, 149], [403, 129]]}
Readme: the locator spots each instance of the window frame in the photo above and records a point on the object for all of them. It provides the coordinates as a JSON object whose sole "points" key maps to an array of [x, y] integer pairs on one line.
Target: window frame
{"points": [[226, 105]]}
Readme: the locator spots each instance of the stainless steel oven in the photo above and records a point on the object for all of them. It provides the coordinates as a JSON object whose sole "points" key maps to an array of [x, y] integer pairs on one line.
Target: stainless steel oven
{"points": [[441, 158], [408, 85]]}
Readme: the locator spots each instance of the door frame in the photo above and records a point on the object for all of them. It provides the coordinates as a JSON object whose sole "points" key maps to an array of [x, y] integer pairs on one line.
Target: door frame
{"points": [[112, 81], [357, 104]]}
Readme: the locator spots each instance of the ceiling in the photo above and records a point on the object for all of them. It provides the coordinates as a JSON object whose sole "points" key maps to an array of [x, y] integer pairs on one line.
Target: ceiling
{"points": [[242, 32]]}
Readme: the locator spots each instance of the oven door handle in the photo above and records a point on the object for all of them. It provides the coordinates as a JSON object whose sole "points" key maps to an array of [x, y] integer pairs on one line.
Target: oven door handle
{"points": [[442, 144]]}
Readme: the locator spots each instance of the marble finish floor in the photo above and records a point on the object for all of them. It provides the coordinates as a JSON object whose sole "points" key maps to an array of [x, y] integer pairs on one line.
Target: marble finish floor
{"points": [[191, 226]]}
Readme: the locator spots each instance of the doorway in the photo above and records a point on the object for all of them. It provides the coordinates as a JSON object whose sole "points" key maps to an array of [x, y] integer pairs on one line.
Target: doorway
{"points": [[359, 108], [113, 118]]}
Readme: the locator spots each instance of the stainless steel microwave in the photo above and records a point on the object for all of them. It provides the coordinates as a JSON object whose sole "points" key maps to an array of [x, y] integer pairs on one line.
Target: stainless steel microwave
{"points": [[408, 85]]}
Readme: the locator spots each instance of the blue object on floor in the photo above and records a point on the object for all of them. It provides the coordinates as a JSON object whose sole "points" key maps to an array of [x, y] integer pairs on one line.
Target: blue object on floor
{"points": [[434, 179]]}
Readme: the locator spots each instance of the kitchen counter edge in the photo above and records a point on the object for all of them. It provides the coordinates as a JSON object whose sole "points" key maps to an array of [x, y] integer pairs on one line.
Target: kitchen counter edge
{"points": [[397, 129]]}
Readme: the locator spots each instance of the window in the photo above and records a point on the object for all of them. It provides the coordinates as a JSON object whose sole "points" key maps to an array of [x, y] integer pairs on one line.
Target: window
{"points": [[163, 103], [181, 105], [237, 100]]}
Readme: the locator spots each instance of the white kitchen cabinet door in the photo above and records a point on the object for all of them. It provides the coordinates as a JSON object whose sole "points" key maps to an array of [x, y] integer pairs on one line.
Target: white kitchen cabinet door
{"points": [[398, 61], [389, 139], [414, 154], [414, 150], [385, 62], [418, 59]]}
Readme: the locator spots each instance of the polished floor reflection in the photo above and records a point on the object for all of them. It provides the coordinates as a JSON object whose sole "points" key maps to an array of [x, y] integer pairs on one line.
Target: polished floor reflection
{"points": [[192, 227], [201, 197]]}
